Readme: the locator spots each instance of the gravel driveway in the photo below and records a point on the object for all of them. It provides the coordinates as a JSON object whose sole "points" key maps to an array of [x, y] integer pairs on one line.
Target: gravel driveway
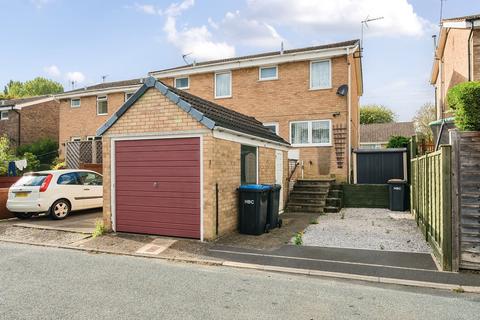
{"points": [[365, 228]]}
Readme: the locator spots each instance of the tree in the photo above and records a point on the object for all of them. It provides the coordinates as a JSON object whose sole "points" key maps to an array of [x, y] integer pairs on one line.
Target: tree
{"points": [[36, 87], [376, 114], [426, 114], [398, 142]]}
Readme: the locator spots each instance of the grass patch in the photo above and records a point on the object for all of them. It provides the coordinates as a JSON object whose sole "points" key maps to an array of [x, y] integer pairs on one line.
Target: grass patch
{"points": [[314, 221], [458, 290], [99, 229], [298, 239]]}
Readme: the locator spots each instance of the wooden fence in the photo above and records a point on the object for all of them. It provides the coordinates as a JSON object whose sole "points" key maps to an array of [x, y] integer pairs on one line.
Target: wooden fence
{"points": [[78, 152], [466, 199], [431, 201]]}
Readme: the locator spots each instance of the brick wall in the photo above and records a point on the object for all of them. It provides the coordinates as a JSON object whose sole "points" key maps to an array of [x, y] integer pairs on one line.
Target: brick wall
{"points": [[40, 121], [289, 99], [37, 121], [221, 158], [84, 121]]}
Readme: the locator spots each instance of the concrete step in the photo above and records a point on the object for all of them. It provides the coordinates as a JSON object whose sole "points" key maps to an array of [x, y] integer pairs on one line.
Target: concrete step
{"points": [[317, 201], [335, 194], [309, 193], [334, 202], [310, 188], [301, 209]]}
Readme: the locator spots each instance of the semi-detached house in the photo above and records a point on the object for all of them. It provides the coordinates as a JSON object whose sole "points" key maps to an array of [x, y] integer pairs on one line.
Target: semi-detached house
{"points": [[308, 96]]}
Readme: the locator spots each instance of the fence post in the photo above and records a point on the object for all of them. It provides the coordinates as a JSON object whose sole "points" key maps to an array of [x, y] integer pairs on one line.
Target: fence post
{"points": [[446, 158], [455, 142]]}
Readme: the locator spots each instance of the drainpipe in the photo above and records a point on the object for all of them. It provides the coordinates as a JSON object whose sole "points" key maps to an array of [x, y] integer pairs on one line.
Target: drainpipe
{"points": [[470, 52], [19, 126], [349, 117]]}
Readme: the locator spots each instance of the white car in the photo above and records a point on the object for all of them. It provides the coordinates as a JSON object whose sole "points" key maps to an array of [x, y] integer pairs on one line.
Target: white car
{"points": [[56, 192]]}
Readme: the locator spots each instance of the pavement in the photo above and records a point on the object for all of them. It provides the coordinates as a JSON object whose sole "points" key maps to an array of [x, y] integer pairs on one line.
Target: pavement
{"points": [[49, 283]]}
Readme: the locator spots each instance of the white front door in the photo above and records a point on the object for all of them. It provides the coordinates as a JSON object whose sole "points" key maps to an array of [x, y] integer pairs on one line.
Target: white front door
{"points": [[279, 175]]}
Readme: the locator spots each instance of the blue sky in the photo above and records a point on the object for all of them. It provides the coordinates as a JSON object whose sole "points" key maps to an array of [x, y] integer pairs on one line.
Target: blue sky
{"points": [[83, 40]]}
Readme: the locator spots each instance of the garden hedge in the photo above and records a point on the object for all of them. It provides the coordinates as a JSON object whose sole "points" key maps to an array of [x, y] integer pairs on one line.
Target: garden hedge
{"points": [[464, 100]]}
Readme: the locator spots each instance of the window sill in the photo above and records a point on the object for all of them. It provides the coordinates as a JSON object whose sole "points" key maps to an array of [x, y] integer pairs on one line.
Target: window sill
{"points": [[309, 145], [186, 88], [223, 97], [102, 114], [269, 79], [319, 89]]}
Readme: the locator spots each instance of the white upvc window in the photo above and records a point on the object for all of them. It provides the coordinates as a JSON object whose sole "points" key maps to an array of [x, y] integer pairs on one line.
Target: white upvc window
{"points": [[4, 115], [102, 105], [181, 83], [223, 85], [268, 73], [311, 133], [320, 74], [272, 126], [75, 103], [128, 95], [75, 139]]}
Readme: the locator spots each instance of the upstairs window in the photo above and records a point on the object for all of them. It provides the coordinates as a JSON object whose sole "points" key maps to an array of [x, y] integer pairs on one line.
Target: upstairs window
{"points": [[182, 83], [272, 126], [4, 115], [102, 105], [320, 75], [75, 103], [310, 133], [223, 85], [268, 73]]}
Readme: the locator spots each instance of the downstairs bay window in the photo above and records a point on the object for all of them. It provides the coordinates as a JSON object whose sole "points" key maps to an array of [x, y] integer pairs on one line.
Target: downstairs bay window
{"points": [[311, 133]]}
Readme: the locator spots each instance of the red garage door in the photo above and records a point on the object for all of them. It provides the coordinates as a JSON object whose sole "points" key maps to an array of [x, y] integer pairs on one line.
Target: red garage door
{"points": [[157, 186]]}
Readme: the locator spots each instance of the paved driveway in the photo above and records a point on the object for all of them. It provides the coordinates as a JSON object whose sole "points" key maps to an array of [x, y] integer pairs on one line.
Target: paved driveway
{"points": [[364, 228], [80, 221]]}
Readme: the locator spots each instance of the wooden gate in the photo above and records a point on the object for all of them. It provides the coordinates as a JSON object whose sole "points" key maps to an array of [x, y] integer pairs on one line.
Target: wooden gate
{"points": [[466, 198]]}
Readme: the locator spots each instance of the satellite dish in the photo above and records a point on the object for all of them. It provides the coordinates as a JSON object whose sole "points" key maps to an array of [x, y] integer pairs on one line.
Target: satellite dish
{"points": [[342, 90]]}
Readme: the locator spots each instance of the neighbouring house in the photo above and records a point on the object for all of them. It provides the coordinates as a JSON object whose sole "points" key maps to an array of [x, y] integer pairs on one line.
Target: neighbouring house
{"points": [[172, 163], [457, 60], [376, 135], [308, 96], [83, 110], [29, 119]]}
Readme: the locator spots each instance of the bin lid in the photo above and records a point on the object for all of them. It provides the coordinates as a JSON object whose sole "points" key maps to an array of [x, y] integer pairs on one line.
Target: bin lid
{"points": [[396, 181], [274, 186], [255, 187]]}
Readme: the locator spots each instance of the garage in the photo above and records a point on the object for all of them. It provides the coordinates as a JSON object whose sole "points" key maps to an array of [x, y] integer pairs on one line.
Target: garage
{"points": [[157, 184], [172, 164]]}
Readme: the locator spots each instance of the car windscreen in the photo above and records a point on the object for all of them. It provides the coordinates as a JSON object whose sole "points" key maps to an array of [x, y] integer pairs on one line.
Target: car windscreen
{"points": [[30, 181]]}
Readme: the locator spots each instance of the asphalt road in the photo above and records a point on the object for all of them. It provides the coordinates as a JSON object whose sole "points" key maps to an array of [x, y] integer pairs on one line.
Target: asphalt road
{"points": [[47, 283]]}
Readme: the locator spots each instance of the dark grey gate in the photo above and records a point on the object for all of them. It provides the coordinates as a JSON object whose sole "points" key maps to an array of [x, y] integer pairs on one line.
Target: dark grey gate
{"points": [[377, 166]]}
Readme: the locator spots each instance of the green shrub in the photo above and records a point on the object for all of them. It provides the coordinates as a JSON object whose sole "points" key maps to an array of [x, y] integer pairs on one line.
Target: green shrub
{"points": [[32, 162], [464, 100], [99, 229], [398, 142], [58, 164], [45, 149], [298, 239], [6, 154]]}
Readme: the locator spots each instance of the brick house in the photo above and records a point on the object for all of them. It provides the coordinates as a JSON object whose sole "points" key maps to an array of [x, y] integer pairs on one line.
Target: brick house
{"points": [[29, 119], [376, 135], [309, 96], [201, 153], [457, 58]]}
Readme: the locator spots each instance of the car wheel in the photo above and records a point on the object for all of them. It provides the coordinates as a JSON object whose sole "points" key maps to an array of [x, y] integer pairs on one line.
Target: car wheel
{"points": [[23, 215], [60, 209]]}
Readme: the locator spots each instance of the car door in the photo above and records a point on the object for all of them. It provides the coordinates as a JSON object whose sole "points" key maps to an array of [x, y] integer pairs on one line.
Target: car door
{"points": [[92, 189], [69, 187]]}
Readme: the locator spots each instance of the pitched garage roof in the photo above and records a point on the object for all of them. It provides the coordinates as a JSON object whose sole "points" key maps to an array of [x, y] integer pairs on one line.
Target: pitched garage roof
{"points": [[206, 112], [381, 132]]}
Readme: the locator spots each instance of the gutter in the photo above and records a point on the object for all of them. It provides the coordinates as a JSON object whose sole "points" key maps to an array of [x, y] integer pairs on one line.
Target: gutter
{"points": [[285, 145], [86, 93]]}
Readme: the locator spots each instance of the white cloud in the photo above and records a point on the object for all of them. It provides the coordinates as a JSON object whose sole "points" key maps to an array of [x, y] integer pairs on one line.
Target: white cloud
{"points": [[196, 41], [76, 76], [326, 16], [145, 8], [52, 71], [249, 32]]}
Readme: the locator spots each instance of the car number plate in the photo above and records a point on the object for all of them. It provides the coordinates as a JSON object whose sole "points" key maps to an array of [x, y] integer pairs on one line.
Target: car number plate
{"points": [[21, 194]]}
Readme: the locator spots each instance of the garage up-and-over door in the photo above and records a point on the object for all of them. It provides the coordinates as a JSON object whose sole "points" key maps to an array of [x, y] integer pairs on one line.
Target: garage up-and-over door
{"points": [[157, 186]]}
